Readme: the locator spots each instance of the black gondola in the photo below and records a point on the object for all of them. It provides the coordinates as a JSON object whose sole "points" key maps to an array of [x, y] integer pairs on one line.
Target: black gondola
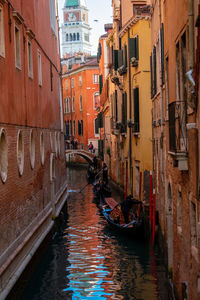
{"points": [[113, 214]]}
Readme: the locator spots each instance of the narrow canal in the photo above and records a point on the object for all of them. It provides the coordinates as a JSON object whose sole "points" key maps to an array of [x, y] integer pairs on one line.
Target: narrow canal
{"points": [[85, 259]]}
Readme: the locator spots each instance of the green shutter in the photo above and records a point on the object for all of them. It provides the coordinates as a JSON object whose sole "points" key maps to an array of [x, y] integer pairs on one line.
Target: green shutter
{"points": [[136, 110], [100, 83], [115, 60], [151, 68], [154, 72], [125, 56], [131, 47], [120, 58], [162, 53], [137, 47]]}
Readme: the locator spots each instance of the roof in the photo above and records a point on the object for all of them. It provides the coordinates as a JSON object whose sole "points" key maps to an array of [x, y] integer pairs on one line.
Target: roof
{"points": [[70, 3]]}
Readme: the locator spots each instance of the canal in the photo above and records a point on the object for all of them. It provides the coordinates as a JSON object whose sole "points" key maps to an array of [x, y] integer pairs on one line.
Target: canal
{"points": [[85, 259]]}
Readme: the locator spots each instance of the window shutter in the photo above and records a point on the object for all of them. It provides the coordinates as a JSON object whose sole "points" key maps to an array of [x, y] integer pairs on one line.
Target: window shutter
{"points": [[81, 127], [136, 110], [120, 58], [154, 72], [151, 76], [115, 60], [172, 126], [131, 47], [96, 126], [116, 109], [125, 56], [162, 53], [137, 47], [100, 83]]}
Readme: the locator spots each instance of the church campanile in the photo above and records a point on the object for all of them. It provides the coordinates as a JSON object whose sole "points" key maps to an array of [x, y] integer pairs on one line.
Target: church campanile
{"points": [[75, 29]]}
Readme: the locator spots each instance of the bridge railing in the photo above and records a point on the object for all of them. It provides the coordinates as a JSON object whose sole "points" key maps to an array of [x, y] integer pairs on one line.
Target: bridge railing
{"points": [[69, 146]]}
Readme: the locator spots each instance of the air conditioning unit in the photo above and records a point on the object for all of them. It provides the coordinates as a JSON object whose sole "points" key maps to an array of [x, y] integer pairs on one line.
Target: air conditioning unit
{"points": [[134, 61]]}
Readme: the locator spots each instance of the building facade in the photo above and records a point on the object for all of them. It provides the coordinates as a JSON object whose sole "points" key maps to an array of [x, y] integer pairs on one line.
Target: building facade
{"points": [[75, 28], [81, 102], [32, 159]]}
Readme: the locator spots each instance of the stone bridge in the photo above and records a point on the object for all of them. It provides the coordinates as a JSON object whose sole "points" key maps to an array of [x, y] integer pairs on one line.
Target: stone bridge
{"points": [[84, 153]]}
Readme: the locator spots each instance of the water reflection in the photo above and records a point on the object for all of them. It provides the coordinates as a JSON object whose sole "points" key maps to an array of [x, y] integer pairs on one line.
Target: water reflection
{"points": [[87, 260]]}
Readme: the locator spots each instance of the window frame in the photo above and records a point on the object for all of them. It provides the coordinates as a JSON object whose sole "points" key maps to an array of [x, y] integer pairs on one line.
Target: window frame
{"points": [[17, 43], [39, 68], [81, 102], [30, 58], [2, 32], [94, 78]]}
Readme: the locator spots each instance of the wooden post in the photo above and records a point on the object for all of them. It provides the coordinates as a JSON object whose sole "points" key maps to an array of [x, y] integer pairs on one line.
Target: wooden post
{"points": [[140, 186], [150, 199], [154, 214], [125, 195]]}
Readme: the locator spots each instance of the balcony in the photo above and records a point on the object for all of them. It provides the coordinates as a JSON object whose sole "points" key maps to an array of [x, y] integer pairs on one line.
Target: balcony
{"points": [[178, 134]]}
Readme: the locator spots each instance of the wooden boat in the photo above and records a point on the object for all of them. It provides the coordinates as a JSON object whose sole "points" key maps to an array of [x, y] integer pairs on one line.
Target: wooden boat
{"points": [[113, 214], [101, 189]]}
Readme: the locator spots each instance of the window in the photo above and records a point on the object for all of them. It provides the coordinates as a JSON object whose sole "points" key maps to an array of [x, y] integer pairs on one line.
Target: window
{"points": [[100, 83], [70, 37], [42, 148], [81, 103], [96, 127], [72, 83], [134, 48], [153, 66], [39, 69], [167, 85], [74, 36], [124, 113], [96, 78], [80, 127], [73, 104], [136, 110], [20, 153], [74, 127], [67, 37], [2, 41], [179, 212], [193, 215], [96, 100], [68, 105], [53, 15], [80, 80], [78, 36], [86, 37], [17, 38], [32, 149], [116, 107], [3, 155], [66, 86], [30, 59]]}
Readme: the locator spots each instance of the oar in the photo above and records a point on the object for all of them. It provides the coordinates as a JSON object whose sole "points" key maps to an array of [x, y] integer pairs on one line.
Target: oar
{"points": [[84, 187]]}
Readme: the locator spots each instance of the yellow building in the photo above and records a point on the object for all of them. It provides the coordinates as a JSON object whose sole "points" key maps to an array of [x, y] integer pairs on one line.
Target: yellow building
{"points": [[134, 67]]}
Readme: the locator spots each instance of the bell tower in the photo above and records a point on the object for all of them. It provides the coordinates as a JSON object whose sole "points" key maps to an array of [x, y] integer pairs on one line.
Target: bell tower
{"points": [[75, 28]]}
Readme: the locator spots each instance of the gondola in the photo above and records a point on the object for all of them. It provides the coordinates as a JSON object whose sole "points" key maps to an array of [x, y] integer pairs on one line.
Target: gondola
{"points": [[114, 216], [101, 188]]}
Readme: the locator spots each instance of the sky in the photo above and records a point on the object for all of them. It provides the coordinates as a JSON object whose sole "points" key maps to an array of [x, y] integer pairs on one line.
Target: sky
{"points": [[100, 10]]}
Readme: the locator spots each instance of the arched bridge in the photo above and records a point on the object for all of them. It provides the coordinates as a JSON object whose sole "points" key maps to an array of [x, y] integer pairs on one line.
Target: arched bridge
{"points": [[84, 153]]}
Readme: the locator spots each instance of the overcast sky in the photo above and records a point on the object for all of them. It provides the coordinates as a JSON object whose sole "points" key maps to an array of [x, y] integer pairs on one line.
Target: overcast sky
{"points": [[100, 10]]}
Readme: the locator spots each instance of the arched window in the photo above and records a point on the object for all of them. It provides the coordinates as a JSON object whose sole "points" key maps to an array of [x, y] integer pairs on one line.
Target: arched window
{"points": [[96, 100], [74, 37], [67, 37], [70, 37], [81, 103], [78, 36]]}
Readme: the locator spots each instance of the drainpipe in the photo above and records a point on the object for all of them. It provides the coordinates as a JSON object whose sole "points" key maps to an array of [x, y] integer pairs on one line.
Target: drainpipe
{"points": [[130, 115], [161, 94], [191, 127]]}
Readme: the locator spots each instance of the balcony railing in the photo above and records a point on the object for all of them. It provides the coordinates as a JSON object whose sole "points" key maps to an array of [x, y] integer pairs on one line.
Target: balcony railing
{"points": [[177, 126]]}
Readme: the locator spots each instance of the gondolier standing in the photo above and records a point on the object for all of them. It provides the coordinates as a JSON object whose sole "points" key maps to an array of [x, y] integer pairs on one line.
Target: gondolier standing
{"points": [[105, 173]]}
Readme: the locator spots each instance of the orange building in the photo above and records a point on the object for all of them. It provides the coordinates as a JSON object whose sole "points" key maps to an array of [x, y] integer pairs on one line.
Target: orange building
{"points": [[81, 102], [32, 159]]}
